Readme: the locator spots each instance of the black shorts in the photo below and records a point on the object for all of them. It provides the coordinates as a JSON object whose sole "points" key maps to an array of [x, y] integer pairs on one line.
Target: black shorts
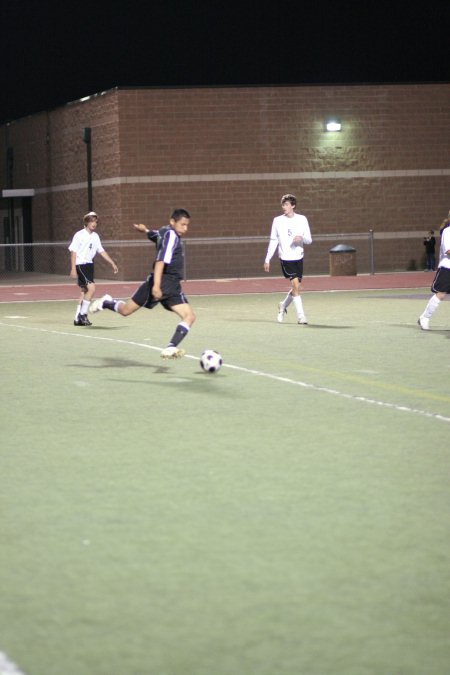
{"points": [[441, 281], [171, 289], [292, 269], [85, 274]]}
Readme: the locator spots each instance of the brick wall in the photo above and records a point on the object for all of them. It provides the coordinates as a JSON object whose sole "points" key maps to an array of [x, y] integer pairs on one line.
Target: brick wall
{"points": [[228, 154]]}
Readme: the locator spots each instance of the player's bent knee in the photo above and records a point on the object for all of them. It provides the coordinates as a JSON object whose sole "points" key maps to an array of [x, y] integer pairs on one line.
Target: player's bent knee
{"points": [[125, 309], [189, 317]]}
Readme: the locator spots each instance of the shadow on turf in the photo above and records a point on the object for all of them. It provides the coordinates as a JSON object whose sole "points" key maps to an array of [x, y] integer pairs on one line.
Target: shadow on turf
{"points": [[112, 362], [440, 331], [311, 326], [200, 383], [297, 327], [432, 331], [158, 369], [96, 327]]}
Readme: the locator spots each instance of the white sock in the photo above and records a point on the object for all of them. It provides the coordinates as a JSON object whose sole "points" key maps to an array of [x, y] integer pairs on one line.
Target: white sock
{"points": [[433, 304], [287, 301], [85, 306], [298, 306], [78, 311], [117, 305]]}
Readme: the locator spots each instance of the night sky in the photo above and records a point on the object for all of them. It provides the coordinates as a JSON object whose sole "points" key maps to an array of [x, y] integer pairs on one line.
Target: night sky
{"points": [[55, 51]]}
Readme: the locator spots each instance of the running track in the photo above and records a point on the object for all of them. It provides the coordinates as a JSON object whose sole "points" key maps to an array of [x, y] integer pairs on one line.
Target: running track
{"points": [[46, 288]]}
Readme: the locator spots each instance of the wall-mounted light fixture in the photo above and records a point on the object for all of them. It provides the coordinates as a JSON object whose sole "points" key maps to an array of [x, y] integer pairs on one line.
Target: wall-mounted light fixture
{"points": [[333, 125]]}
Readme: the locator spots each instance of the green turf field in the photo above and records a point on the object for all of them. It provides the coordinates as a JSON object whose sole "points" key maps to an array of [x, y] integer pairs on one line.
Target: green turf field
{"points": [[288, 515]]}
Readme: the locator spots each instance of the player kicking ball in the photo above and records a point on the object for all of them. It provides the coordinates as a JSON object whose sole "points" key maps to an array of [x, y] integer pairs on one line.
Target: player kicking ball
{"points": [[163, 285]]}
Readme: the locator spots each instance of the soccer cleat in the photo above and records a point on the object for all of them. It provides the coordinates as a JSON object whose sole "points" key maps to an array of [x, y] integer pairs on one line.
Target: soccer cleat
{"points": [[172, 353], [424, 323], [302, 320], [82, 320], [97, 305], [281, 312]]}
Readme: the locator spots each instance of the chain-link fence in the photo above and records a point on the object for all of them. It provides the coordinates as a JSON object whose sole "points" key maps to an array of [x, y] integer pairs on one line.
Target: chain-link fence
{"points": [[205, 258]]}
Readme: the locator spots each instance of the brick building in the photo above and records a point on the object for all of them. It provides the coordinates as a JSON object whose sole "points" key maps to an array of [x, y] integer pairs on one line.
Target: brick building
{"points": [[227, 154]]}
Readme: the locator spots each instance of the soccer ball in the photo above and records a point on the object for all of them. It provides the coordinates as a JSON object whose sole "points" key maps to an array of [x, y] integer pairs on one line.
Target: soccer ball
{"points": [[210, 361]]}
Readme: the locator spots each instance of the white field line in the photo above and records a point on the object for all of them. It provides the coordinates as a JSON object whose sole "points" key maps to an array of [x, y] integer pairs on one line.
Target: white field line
{"points": [[250, 371], [7, 667]]}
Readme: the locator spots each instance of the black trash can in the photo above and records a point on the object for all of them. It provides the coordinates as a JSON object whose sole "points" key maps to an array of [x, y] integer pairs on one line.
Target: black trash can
{"points": [[342, 261]]}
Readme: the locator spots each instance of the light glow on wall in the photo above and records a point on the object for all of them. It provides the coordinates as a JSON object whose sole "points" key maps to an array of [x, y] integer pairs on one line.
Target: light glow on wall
{"points": [[333, 125]]}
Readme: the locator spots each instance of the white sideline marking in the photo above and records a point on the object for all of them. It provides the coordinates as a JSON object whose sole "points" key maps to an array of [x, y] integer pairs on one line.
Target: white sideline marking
{"points": [[335, 392], [7, 667], [250, 371]]}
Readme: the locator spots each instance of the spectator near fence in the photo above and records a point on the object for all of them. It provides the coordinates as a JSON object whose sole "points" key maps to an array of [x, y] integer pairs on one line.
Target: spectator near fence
{"points": [[430, 250]]}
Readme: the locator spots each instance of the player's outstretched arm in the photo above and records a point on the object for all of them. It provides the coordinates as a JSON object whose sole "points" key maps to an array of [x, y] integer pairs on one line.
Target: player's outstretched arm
{"points": [[141, 227], [151, 234]]}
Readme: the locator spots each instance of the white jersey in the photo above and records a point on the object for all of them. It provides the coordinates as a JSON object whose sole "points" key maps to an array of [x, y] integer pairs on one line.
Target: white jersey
{"points": [[444, 258], [284, 229], [86, 245]]}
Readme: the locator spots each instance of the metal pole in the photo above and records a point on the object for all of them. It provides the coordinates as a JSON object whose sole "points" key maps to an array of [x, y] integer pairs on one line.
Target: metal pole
{"points": [[87, 140], [9, 229], [371, 253]]}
